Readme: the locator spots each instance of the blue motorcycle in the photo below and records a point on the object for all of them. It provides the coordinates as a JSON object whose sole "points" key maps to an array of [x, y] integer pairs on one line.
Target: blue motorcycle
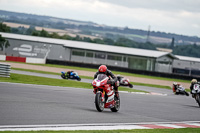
{"points": [[70, 75]]}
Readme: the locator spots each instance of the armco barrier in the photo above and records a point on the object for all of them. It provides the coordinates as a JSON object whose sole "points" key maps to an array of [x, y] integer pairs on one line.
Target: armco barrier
{"points": [[2, 57], [4, 70], [23, 59]]}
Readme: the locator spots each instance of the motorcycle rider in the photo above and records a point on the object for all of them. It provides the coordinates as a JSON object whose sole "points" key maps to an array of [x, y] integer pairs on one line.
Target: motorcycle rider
{"points": [[69, 73], [179, 87], [193, 81], [103, 70], [175, 86]]}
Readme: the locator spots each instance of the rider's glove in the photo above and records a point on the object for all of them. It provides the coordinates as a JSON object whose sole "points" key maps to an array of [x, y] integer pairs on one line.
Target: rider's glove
{"points": [[110, 82]]}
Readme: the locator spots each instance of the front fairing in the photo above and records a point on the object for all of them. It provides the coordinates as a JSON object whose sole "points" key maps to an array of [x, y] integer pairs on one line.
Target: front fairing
{"points": [[76, 75], [63, 72], [125, 81], [100, 81], [196, 88]]}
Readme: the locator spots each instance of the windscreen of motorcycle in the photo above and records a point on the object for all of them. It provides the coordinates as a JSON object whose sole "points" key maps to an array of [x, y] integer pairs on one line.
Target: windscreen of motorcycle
{"points": [[196, 89], [101, 77]]}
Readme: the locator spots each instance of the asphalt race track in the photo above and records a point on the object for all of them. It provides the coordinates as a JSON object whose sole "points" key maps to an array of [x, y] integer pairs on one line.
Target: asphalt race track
{"points": [[22, 104]]}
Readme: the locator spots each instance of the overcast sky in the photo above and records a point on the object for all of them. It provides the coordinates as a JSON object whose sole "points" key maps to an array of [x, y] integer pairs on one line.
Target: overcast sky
{"points": [[171, 16]]}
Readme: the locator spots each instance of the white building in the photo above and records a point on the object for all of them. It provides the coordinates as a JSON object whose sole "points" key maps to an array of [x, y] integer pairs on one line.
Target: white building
{"points": [[37, 48], [186, 65]]}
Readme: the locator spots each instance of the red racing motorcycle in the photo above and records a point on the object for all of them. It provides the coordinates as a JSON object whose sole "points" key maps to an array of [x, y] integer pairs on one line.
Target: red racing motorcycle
{"points": [[105, 94]]}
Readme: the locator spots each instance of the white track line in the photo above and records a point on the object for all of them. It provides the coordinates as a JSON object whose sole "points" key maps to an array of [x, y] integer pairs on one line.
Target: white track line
{"points": [[101, 126]]}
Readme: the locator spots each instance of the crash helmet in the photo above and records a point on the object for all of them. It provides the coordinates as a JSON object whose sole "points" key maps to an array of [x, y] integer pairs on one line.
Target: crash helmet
{"points": [[102, 69], [194, 81], [175, 83]]}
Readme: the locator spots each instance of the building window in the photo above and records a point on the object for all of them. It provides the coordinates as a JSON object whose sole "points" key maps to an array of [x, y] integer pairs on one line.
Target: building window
{"points": [[89, 54], [137, 63], [124, 59], [100, 55], [113, 57], [78, 53]]}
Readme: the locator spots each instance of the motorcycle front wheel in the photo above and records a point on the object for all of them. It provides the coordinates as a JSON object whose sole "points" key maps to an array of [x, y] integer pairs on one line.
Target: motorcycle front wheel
{"points": [[98, 102], [79, 79], [186, 93], [130, 85], [198, 99]]}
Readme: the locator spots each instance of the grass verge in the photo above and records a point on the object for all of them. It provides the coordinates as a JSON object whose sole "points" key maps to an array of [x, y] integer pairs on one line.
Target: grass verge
{"points": [[44, 72], [156, 86], [181, 130], [87, 77], [152, 85], [115, 72], [26, 79]]}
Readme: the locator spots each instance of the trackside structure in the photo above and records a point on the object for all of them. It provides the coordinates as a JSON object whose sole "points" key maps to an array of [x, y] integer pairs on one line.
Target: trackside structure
{"points": [[33, 49]]}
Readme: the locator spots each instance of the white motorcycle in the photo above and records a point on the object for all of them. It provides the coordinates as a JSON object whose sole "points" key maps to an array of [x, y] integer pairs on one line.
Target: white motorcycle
{"points": [[181, 90], [196, 93]]}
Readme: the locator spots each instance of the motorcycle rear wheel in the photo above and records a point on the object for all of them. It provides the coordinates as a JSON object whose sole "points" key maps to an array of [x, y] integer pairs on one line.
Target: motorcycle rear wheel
{"points": [[98, 102], [117, 105], [63, 76]]}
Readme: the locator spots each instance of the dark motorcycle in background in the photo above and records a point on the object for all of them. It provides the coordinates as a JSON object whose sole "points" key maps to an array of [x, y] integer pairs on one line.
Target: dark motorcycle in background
{"points": [[70, 75], [124, 81], [196, 93]]}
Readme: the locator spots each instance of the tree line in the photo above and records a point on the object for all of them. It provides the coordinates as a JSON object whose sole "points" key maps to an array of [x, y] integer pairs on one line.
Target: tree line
{"points": [[184, 50], [90, 28], [3, 42]]}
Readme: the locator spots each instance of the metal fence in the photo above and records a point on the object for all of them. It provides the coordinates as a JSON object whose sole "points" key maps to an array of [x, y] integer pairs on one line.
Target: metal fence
{"points": [[4, 70]]}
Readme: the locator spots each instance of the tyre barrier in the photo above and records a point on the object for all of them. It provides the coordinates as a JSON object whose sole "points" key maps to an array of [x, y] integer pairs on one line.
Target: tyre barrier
{"points": [[4, 70]]}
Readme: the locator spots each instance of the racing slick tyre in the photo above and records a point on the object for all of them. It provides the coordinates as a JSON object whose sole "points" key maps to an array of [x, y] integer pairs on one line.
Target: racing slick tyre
{"points": [[130, 85], [63, 76], [176, 93], [198, 99], [186, 93], [79, 79], [117, 105], [98, 102]]}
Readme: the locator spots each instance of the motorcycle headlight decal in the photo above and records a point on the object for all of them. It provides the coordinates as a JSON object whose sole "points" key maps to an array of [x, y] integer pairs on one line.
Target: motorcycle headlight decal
{"points": [[98, 83]]}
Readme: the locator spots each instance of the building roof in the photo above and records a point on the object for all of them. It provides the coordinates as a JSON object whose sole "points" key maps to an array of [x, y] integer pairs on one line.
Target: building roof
{"points": [[185, 58], [89, 46], [164, 49]]}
